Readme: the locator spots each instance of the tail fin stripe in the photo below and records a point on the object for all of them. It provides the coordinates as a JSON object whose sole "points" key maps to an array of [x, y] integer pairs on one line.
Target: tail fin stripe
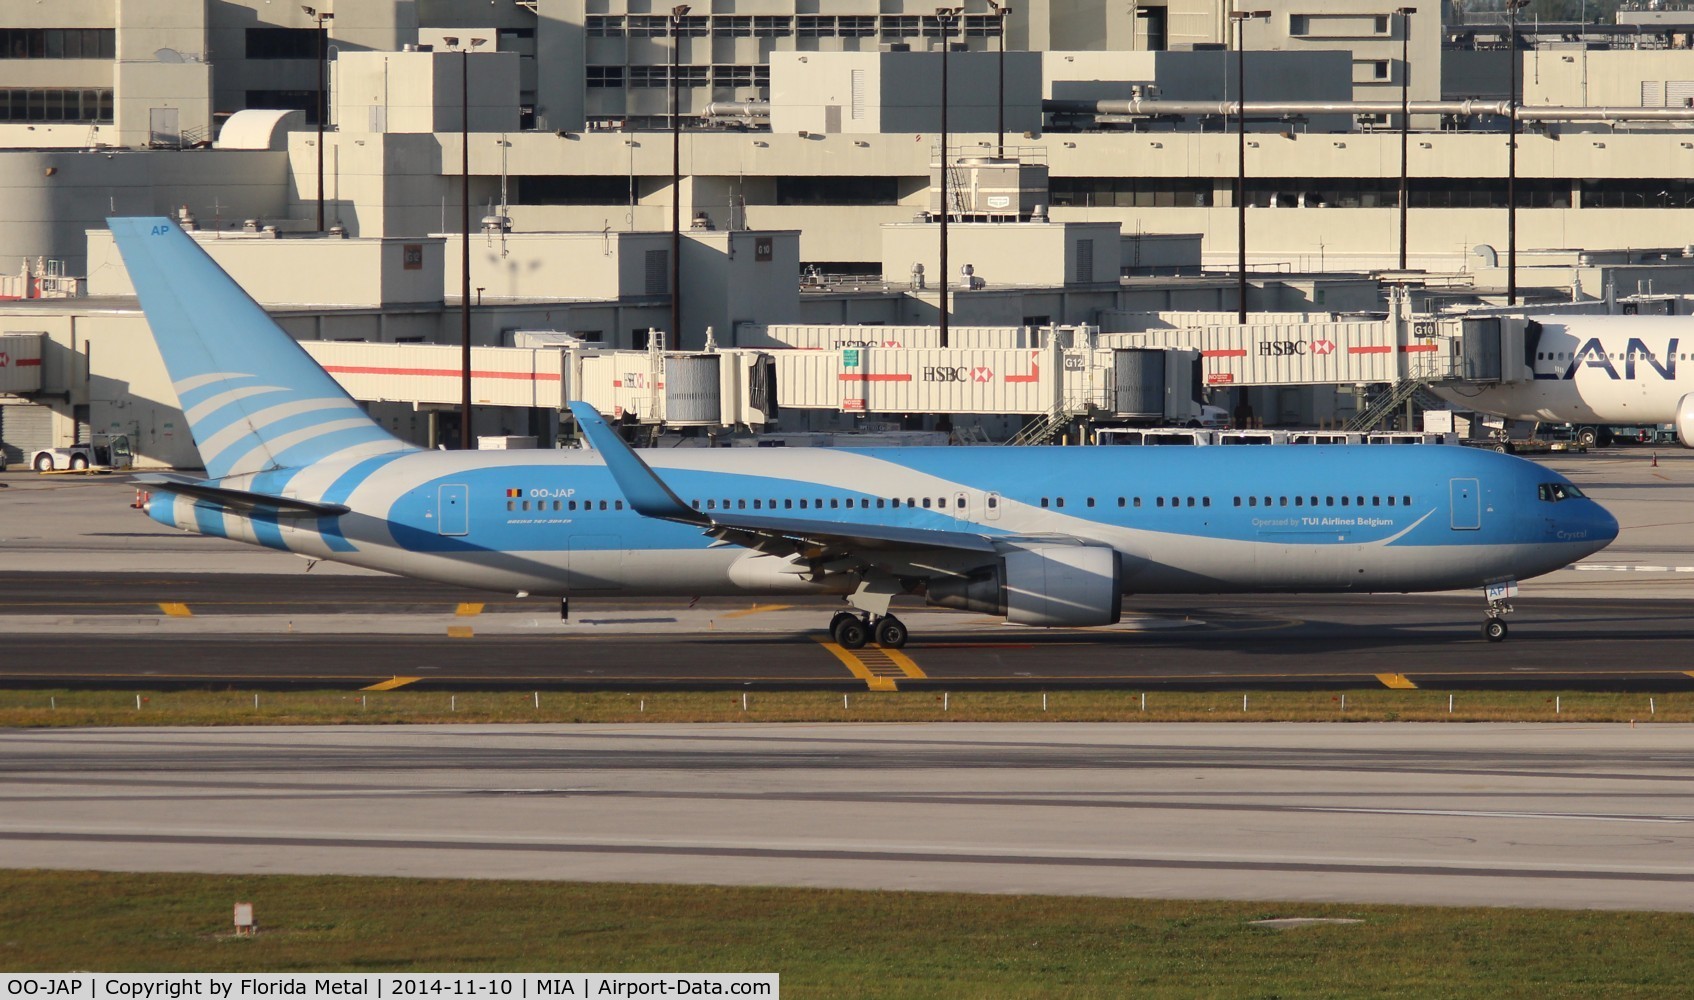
{"points": [[188, 385], [201, 412], [319, 434], [267, 421], [319, 443]]}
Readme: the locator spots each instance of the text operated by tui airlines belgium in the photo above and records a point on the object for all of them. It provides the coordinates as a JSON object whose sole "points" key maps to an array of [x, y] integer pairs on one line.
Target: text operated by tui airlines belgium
{"points": [[383, 986]]}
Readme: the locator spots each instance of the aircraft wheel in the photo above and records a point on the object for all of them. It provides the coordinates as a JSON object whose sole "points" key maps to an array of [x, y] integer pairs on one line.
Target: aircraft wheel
{"points": [[836, 620], [44, 463], [1494, 630], [851, 633], [891, 632]]}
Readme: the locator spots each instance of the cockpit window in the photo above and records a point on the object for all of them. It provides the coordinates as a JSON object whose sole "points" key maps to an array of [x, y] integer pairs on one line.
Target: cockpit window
{"points": [[1554, 492]]}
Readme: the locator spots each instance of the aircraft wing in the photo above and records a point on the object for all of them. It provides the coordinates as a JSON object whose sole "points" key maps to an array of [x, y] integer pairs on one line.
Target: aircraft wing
{"points": [[806, 537], [239, 501]]}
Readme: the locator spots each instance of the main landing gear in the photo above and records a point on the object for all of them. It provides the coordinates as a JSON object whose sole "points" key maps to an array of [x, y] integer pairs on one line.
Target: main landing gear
{"points": [[852, 631]]}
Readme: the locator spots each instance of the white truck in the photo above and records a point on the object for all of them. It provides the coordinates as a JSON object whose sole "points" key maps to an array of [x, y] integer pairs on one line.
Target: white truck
{"points": [[103, 451]]}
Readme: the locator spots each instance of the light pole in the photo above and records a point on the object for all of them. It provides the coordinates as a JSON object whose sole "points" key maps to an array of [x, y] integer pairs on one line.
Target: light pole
{"points": [[323, 33], [1000, 121], [1240, 17], [464, 234], [945, 16], [1405, 114], [1512, 8], [677, 14]]}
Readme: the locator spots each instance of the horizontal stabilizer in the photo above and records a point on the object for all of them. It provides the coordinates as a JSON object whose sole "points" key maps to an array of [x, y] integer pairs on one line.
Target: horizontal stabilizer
{"points": [[239, 501]]}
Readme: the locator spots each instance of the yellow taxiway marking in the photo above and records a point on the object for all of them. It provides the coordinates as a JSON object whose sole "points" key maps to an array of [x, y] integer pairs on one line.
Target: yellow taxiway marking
{"points": [[469, 609], [855, 664], [391, 683], [757, 609], [460, 632], [175, 610], [1399, 681], [905, 663]]}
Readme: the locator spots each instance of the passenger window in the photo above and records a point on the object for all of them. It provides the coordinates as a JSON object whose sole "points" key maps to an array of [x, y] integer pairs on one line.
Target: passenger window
{"points": [[894, 502], [511, 505], [618, 504], [1060, 502], [1343, 501], [1359, 500], [802, 504], [1405, 501], [1329, 501], [849, 503], [882, 502], [942, 502], [1237, 501], [1390, 501], [571, 505], [602, 505], [926, 503], [1190, 501], [788, 504], [1282, 501], [1297, 501], [1376, 501], [834, 503], [1205, 501], [1121, 502], [1314, 501], [755, 503], [1090, 501], [741, 504], [526, 505], [1137, 501], [1252, 501], [1161, 502]]}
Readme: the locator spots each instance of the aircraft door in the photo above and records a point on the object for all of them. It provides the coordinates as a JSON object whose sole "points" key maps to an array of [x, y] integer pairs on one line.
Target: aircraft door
{"points": [[991, 507], [453, 510], [1466, 500]]}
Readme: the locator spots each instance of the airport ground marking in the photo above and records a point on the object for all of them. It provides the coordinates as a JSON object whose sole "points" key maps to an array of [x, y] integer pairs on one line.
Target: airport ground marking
{"points": [[175, 609], [757, 609], [469, 609], [905, 664], [391, 683], [859, 668], [1399, 682], [460, 632]]}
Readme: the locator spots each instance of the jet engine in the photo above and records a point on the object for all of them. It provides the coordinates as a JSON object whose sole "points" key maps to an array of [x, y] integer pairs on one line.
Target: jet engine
{"points": [[1685, 420], [1052, 584]]}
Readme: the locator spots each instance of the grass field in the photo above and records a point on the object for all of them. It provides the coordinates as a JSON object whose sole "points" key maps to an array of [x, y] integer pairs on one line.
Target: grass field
{"points": [[34, 708], [830, 943]]}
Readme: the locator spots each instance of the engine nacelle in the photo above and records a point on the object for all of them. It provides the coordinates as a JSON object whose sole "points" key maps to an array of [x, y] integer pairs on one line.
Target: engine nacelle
{"points": [[1685, 420], [1039, 584]]}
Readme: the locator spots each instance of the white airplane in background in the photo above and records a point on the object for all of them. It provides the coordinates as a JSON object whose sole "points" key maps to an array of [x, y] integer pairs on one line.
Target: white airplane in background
{"points": [[1597, 371]]}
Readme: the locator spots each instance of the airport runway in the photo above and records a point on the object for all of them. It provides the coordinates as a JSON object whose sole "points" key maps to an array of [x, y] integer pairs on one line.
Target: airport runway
{"points": [[1569, 816], [91, 591]]}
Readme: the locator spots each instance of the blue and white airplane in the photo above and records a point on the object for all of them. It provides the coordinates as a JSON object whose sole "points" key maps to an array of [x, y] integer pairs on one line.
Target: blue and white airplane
{"points": [[1041, 536]]}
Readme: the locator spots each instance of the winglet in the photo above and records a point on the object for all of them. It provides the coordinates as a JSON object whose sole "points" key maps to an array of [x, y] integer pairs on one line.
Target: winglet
{"points": [[644, 490]]}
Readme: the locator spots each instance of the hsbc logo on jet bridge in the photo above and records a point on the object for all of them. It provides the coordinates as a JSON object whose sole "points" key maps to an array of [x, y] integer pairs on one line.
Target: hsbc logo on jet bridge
{"points": [[948, 373]]}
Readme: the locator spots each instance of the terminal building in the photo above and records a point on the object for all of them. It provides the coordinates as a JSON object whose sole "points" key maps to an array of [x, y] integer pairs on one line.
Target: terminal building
{"points": [[805, 167]]}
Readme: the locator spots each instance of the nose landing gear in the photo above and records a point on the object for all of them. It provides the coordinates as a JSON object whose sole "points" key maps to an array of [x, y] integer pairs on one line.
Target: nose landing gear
{"points": [[1494, 627], [851, 631]]}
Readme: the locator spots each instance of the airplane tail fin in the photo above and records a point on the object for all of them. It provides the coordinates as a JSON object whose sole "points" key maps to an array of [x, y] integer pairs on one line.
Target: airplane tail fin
{"points": [[254, 399]]}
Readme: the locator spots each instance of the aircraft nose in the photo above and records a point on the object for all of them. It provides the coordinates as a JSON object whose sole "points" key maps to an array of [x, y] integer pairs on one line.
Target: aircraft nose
{"points": [[1592, 524]]}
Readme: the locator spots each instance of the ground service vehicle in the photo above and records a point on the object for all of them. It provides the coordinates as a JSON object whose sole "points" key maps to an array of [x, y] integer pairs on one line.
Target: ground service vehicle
{"points": [[105, 451]]}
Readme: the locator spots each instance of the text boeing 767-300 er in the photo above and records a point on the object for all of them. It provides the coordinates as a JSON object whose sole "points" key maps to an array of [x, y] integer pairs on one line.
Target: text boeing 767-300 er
{"points": [[1041, 536]]}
